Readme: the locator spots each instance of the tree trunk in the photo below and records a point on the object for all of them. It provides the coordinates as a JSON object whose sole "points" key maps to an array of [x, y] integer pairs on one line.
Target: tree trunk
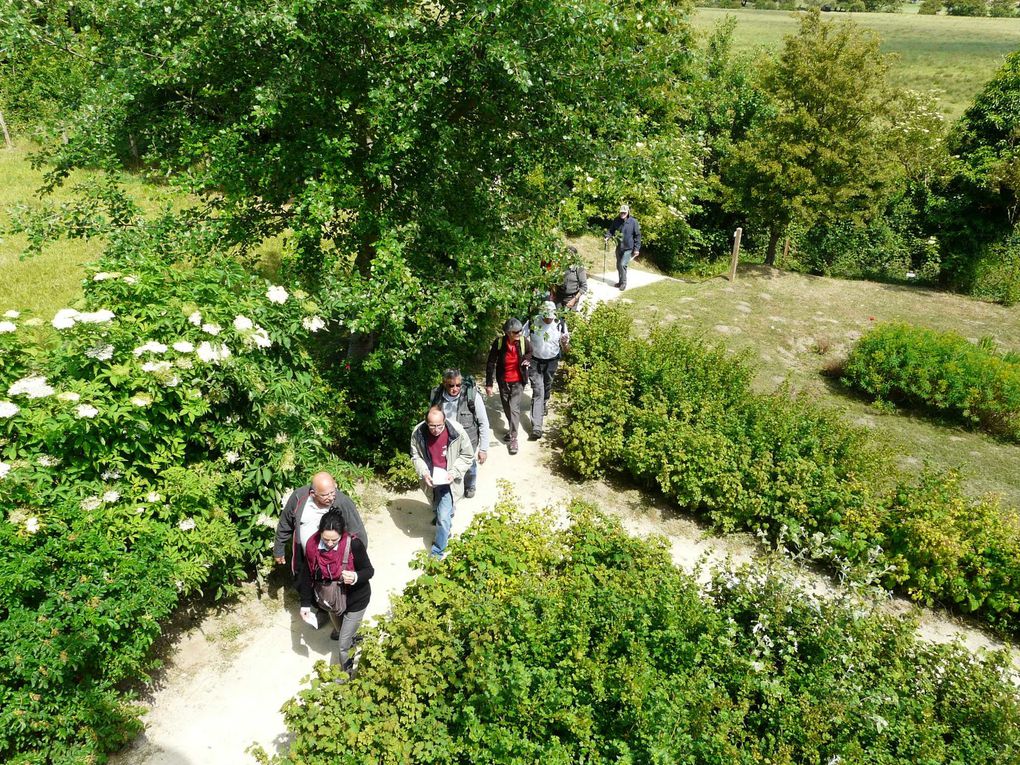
{"points": [[775, 233], [7, 136]]}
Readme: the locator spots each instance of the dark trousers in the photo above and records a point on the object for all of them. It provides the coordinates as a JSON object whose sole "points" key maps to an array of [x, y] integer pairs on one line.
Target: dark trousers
{"points": [[622, 261], [542, 373], [510, 398]]}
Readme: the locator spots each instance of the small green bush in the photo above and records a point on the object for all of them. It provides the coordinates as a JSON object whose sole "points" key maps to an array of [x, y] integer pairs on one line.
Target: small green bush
{"points": [[913, 366], [681, 418], [587, 645]]}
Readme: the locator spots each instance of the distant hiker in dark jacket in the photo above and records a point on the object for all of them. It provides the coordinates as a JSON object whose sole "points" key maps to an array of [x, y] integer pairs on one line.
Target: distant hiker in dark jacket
{"points": [[462, 401], [509, 360], [628, 246], [334, 554], [300, 520]]}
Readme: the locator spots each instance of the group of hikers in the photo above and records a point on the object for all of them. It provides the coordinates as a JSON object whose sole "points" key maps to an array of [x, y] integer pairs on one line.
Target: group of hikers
{"points": [[329, 544]]}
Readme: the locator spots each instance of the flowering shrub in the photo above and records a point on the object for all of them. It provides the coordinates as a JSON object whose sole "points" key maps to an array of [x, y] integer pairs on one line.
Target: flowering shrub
{"points": [[681, 418], [144, 450], [940, 370], [588, 645]]}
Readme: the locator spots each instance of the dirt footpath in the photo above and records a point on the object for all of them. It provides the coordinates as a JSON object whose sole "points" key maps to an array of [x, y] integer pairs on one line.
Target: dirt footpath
{"points": [[227, 678]]}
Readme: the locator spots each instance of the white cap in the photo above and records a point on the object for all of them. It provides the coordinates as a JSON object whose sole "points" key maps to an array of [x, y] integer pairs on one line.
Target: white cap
{"points": [[625, 208]]}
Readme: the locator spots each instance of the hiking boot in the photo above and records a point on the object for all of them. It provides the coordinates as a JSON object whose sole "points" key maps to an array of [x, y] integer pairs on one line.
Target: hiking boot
{"points": [[469, 492], [617, 285], [506, 438], [513, 446], [334, 635], [535, 435]]}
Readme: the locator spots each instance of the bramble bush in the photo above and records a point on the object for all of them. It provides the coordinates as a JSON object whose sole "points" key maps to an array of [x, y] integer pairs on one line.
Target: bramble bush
{"points": [[145, 444], [899, 363], [584, 644], [680, 417]]}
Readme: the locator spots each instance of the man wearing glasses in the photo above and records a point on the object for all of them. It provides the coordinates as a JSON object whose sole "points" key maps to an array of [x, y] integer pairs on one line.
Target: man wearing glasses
{"points": [[442, 454], [462, 401], [300, 520]]}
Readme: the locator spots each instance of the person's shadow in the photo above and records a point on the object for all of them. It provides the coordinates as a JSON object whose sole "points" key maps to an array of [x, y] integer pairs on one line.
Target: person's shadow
{"points": [[302, 634], [414, 518]]}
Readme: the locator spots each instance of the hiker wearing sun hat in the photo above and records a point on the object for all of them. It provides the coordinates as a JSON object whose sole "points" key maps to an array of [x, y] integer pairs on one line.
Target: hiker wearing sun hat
{"points": [[549, 338], [628, 246]]}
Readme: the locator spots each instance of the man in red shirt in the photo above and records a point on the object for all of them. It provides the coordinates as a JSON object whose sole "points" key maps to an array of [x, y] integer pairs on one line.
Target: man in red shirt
{"points": [[509, 360]]}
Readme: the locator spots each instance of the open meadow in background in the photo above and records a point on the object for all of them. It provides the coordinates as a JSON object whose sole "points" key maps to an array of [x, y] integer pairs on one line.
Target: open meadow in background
{"points": [[953, 55], [795, 326]]}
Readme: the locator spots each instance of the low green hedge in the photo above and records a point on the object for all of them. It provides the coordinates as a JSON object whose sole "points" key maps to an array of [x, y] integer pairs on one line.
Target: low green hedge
{"points": [[899, 363], [586, 645], [681, 418]]}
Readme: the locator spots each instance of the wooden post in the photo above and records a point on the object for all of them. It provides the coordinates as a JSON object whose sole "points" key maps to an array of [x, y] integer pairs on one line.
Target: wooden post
{"points": [[786, 250], [736, 254], [7, 136]]}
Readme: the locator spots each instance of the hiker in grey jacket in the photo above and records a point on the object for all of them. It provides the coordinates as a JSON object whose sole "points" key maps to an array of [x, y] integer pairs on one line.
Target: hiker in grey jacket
{"points": [[442, 454], [462, 401], [628, 246], [300, 520], [575, 283]]}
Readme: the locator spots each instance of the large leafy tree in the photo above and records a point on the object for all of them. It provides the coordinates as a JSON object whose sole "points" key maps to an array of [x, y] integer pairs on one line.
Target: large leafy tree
{"points": [[412, 152], [821, 152]]}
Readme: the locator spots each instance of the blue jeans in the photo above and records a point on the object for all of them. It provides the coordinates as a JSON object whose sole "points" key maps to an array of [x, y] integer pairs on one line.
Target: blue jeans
{"points": [[622, 260], [471, 477], [442, 504]]}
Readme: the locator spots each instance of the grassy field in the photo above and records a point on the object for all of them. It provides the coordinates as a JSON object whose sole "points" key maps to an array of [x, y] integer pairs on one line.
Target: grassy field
{"points": [[952, 55], [794, 326], [45, 283]]}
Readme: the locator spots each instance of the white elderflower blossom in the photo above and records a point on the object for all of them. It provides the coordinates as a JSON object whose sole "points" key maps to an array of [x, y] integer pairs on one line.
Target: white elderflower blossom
{"points": [[91, 503], [266, 520], [110, 475], [187, 524], [34, 321], [276, 294], [65, 318], [150, 347], [32, 524], [130, 280], [243, 323], [313, 323], [86, 411], [4, 469], [210, 353], [156, 366], [111, 496], [96, 317], [8, 409], [261, 338], [212, 328], [183, 346], [100, 352], [196, 318], [46, 460], [141, 399], [102, 276], [30, 387], [68, 395], [231, 457], [153, 496], [184, 363], [12, 314], [280, 438], [173, 381], [8, 326]]}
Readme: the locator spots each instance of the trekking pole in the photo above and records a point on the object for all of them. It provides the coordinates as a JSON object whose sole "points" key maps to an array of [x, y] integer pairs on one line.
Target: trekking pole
{"points": [[605, 252]]}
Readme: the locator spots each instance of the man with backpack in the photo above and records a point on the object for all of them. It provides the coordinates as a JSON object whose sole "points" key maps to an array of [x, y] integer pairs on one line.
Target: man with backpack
{"points": [[575, 283], [508, 363], [461, 400]]}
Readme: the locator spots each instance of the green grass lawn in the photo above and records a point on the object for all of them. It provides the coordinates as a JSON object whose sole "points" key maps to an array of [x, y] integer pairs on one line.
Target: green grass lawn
{"points": [[45, 283], [794, 326], [952, 55]]}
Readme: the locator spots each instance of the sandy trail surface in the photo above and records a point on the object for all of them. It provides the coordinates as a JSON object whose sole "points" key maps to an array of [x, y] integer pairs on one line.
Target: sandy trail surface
{"points": [[227, 676]]}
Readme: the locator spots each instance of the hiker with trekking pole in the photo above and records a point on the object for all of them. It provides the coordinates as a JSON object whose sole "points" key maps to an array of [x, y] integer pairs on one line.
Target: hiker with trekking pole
{"points": [[628, 245]]}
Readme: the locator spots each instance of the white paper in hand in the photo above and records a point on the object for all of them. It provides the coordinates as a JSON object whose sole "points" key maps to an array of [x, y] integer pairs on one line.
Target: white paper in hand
{"points": [[310, 618], [440, 477]]}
